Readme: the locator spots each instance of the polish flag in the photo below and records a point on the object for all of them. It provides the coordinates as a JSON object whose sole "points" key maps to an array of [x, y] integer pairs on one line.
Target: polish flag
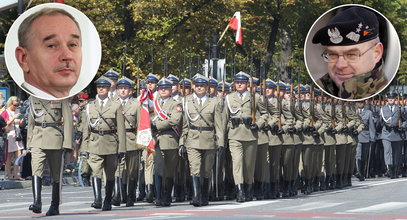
{"points": [[144, 133], [236, 25], [59, 1]]}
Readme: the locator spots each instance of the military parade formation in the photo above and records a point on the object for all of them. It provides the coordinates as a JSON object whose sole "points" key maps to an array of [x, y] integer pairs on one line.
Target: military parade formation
{"points": [[202, 140]]}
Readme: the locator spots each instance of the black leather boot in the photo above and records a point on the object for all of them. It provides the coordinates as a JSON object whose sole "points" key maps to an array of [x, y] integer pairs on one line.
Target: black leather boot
{"points": [[322, 185], [116, 196], [150, 193], [107, 203], [306, 187], [249, 192], [54, 208], [286, 189], [167, 197], [142, 192], [261, 191], [131, 193], [37, 185], [273, 190], [240, 193], [205, 192], [97, 192], [196, 188], [339, 183], [360, 175], [158, 187], [124, 191]]}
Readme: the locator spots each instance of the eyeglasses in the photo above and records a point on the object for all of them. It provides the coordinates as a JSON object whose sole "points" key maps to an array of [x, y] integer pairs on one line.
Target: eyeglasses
{"points": [[350, 56], [16, 105]]}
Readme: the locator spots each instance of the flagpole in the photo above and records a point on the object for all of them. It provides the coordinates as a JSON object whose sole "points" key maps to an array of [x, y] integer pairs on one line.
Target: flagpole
{"points": [[221, 36]]}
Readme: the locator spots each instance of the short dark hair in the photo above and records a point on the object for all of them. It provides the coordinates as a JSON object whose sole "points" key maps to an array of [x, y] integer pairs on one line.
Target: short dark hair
{"points": [[25, 26]]}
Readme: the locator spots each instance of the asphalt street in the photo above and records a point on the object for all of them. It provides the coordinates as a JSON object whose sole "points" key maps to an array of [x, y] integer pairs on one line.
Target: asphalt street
{"points": [[380, 198]]}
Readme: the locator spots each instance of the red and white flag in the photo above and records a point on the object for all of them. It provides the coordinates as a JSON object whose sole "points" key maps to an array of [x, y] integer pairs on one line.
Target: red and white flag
{"points": [[236, 25], [59, 1], [144, 133]]}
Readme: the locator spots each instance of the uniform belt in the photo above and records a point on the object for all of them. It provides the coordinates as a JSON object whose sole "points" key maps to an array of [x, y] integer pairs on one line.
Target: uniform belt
{"points": [[45, 124], [130, 130], [103, 132], [201, 128]]}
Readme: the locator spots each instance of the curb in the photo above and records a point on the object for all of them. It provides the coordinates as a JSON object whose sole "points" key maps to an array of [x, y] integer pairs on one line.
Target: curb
{"points": [[10, 184]]}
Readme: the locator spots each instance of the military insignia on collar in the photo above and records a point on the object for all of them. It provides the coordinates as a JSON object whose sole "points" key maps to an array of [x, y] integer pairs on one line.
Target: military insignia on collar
{"points": [[334, 35], [179, 108]]}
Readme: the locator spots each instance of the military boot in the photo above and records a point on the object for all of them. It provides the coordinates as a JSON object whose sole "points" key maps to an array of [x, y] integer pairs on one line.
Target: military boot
{"points": [[249, 192], [196, 187], [360, 175], [37, 185], [124, 191], [97, 192], [322, 185], [167, 198], [205, 192], [107, 203], [131, 195], [158, 188], [54, 208], [339, 184], [116, 195], [240, 193], [286, 189], [142, 192], [150, 193], [273, 190]]}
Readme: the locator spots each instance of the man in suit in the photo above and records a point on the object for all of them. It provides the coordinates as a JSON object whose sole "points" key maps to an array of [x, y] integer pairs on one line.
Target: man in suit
{"points": [[243, 133], [166, 124], [365, 138], [391, 137], [104, 141], [202, 136], [50, 129]]}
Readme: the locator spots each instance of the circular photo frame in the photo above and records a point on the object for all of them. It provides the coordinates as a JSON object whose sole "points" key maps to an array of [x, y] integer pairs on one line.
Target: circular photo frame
{"points": [[71, 61], [335, 48]]}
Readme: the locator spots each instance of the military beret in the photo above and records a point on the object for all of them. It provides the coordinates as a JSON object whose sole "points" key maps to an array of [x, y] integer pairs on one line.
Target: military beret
{"points": [[152, 78], [200, 80], [352, 26], [111, 74], [242, 77], [164, 82], [226, 87], [213, 82], [270, 83], [124, 81], [186, 82], [103, 81], [173, 79]]}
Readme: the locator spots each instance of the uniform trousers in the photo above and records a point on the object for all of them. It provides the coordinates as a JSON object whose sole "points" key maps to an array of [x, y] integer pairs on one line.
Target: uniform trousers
{"points": [[98, 163], [275, 154], [148, 167], [261, 163], [132, 164], [166, 162], [308, 160], [330, 159], [201, 162], [392, 152], [288, 158], [243, 157], [54, 158]]}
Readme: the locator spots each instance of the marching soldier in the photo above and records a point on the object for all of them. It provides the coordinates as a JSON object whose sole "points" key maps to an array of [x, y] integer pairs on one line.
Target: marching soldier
{"points": [[175, 87], [202, 136], [131, 114], [341, 137], [185, 86], [390, 134], [104, 141], [243, 133], [275, 138], [49, 133], [113, 76], [166, 125], [355, 126], [365, 137], [151, 83], [213, 87]]}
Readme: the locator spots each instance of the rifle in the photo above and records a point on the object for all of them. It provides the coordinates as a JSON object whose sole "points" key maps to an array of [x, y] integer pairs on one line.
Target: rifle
{"points": [[312, 109], [263, 75], [299, 93], [332, 113], [399, 103], [138, 74], [252, 95], [279, 107]]}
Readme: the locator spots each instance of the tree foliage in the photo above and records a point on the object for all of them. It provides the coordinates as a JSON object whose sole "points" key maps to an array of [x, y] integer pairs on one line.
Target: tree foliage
{"points": [[137, 35]]}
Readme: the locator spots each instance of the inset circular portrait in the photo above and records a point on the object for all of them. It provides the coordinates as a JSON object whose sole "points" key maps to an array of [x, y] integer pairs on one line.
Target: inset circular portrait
{"points": [[52, 51], [352, 52]]}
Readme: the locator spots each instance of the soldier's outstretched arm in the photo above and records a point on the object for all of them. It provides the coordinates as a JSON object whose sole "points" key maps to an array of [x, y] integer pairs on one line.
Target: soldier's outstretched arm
{"points": [[68, 124]]}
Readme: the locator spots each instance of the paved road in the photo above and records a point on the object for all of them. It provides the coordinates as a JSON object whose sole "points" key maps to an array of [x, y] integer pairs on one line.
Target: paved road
{"points": [[373, 199]]}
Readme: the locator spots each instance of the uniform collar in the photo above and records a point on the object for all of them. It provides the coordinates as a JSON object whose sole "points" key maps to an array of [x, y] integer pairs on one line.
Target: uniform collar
{"points": [[38, 92]]}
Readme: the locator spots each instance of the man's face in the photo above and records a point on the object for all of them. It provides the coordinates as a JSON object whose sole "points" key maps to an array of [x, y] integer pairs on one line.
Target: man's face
{"points": [[200, 90], [175, 88], [391, 101], [124, 91], [164, 92], [241, 86], [213, 90], [269, 92], [360, 104], [53, 57], [342, 69], [102, 91], [152, 86]]}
